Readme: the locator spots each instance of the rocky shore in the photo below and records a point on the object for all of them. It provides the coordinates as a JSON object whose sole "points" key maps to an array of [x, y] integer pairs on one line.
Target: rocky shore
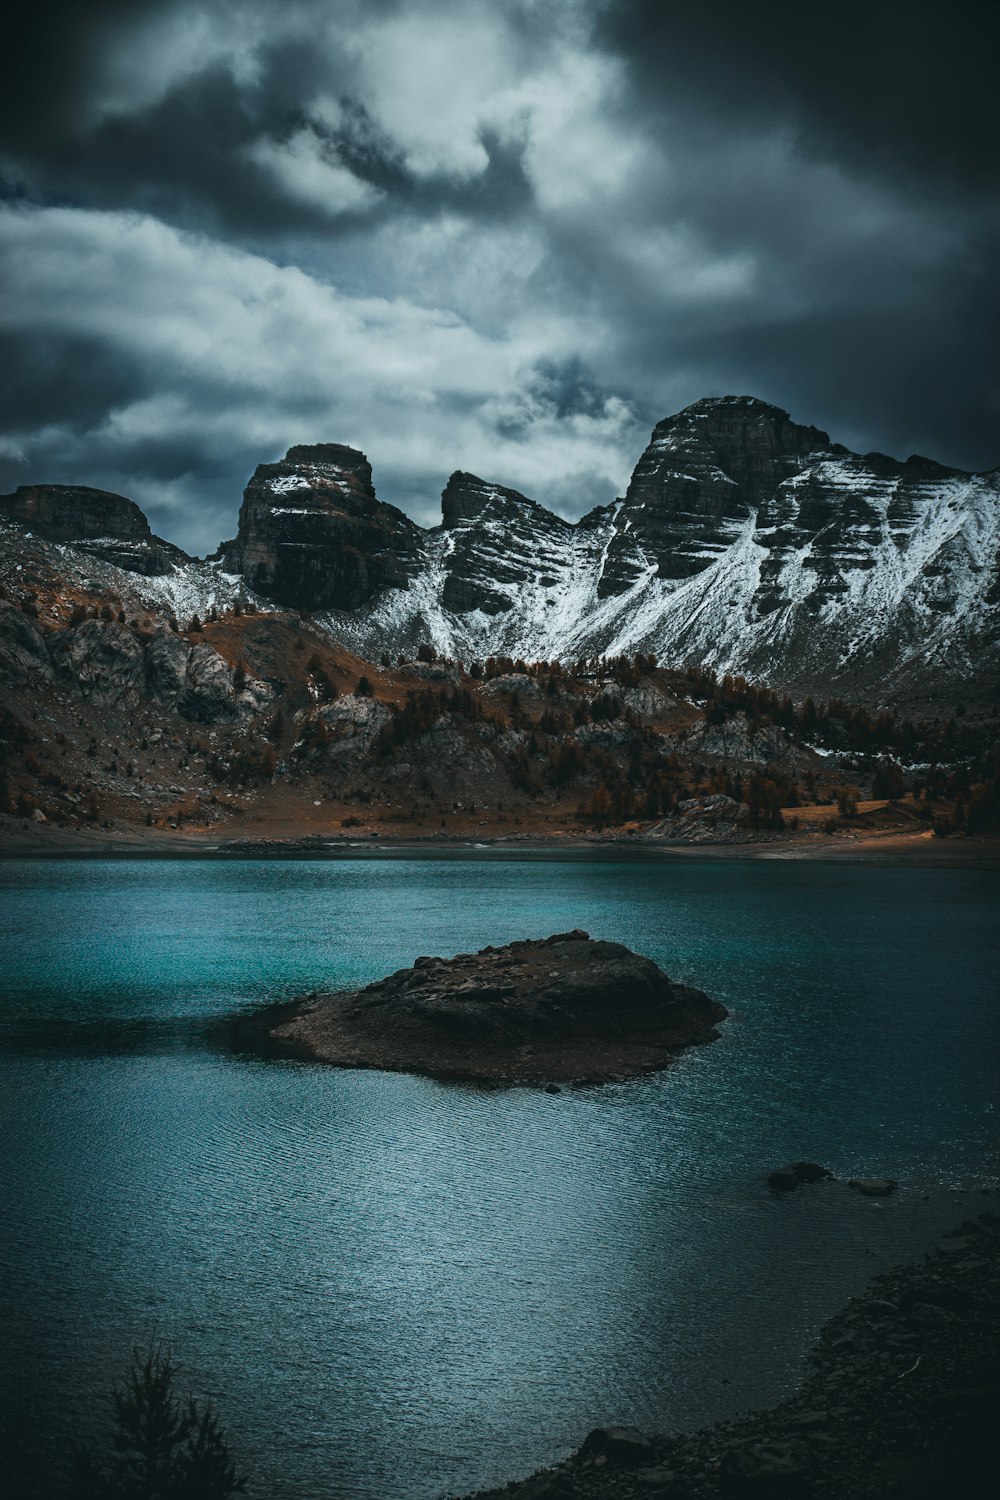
{"points": [[901, 1402], [562, 1010]]}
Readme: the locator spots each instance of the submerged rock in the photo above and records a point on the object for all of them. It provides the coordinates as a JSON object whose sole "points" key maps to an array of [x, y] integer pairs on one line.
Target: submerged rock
{"points": [[785, 1179], [564, 1008], [874, 1187]]}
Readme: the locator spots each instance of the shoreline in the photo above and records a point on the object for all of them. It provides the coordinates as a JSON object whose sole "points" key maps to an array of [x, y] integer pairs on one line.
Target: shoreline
{"points": [[908, 850], [899, 1401]]}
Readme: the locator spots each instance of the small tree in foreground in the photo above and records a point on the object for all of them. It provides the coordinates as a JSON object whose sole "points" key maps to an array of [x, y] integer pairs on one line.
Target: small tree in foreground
{"points": [[164, 1447]]}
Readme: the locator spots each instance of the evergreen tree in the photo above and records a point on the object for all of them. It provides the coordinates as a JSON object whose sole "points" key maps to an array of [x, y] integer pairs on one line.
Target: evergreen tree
{"points": [[163, 1447]]}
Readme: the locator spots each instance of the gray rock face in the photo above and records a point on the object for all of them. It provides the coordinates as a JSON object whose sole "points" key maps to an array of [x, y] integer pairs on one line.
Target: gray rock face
{"points": [[705, 820], [105, 662], [705, 469], [209, 695], [166, 666], [24, 655], [736, 740], [96, 521], [498, 541], [352, 724], [314, 535]]}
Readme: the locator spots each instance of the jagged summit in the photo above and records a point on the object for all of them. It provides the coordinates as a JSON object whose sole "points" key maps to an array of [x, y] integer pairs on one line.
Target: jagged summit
{"points": [[339, 455], [466, 496], [751, 405]]}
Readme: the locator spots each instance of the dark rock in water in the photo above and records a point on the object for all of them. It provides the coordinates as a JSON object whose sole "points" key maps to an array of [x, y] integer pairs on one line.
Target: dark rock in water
{"points": [[562, 1008], [625, 1446], [314, 535], [785, 1179], [873, 1187]]}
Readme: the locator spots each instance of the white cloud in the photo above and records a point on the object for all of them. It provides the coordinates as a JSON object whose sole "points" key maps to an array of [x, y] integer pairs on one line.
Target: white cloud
{"points": [[306, 172], [245, 355], [428, 80]]}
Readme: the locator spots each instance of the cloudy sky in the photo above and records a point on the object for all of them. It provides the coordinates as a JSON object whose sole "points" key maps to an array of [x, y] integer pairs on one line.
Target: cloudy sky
{"points": [[500, 235]]}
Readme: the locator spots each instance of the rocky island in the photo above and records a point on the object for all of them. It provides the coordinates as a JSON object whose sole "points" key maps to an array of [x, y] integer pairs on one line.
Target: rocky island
{"points": [[559, 1010]]}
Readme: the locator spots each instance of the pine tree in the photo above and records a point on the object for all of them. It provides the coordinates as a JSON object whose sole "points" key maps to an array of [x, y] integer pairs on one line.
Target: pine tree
{"points": [[164, 1447]]}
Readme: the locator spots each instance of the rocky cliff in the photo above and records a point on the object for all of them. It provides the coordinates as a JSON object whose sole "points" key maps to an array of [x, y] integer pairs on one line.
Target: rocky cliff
{"points": [[496, 541], [705, 470], [314, 535], [96, 522]]}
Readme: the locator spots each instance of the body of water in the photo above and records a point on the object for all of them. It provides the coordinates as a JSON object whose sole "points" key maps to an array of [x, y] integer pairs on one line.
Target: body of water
{"points": [[394, 1287]]}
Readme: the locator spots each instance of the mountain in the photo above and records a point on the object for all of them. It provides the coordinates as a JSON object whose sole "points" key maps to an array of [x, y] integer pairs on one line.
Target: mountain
{"points": [[149, 696], [745, 542], [96, 523]]}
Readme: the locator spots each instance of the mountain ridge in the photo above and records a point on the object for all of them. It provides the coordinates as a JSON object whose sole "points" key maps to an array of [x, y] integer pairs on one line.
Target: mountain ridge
{"points": [[745, 541]]}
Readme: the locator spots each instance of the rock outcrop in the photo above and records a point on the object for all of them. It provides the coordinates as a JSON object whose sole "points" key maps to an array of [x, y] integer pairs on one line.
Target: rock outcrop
{"points": [[563, 1009], [703, 473], [499, 544], [787, 1178], [108, 664], [103, 524], [314, 535]]}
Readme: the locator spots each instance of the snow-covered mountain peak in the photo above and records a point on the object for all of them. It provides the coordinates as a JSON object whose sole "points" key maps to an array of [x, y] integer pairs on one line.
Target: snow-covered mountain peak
{"points": [[745, 541]]}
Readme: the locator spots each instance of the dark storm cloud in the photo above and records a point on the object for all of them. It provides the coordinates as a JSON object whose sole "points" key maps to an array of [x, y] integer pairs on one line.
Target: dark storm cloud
{"points": [[50, 50], [901, 87], [506, 237], [209, 150], [894, 334]]}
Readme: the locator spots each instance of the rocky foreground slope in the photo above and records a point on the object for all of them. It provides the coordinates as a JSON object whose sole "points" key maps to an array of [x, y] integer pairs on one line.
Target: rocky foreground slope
{"points": [[564, 1009], [745, 542]]}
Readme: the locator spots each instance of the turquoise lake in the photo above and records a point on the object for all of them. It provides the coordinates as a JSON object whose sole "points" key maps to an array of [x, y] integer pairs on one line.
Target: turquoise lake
{"points": [[394, 1287]]}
